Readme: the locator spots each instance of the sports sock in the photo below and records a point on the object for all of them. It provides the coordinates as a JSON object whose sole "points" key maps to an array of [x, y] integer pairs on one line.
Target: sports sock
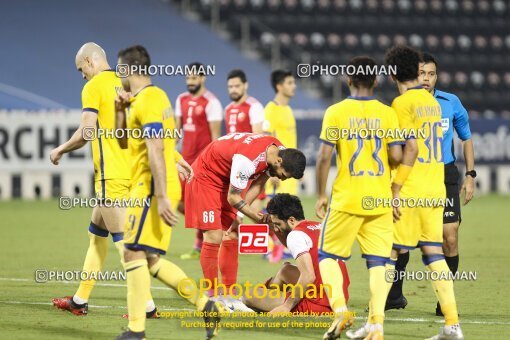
{"points": [[118, 241], [96, 254], [400, 268], [138, 287], [443, 288], [173, 276], [199, 239], [228, 263], [453, 263], [209, 263], [378, 291], [332, 276]]}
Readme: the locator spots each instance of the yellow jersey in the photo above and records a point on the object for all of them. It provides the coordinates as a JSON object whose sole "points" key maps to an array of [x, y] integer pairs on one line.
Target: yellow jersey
{"points": [[361, 129], [151, 111], [98, 95], [279, 122], [419, 114]]}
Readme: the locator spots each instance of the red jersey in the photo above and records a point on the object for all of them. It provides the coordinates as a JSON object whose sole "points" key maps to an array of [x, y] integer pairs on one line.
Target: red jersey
{"points": [[304, 238], [241, 117], [195, 114], [234, 159]]}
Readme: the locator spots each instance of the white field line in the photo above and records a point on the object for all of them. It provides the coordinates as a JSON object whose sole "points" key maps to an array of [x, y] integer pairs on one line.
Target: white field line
{"points": [[417, 320]]}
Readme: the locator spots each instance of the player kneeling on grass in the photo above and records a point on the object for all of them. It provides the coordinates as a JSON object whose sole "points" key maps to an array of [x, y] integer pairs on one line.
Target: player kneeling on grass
{"points": [[300, 285], [154, 163]]}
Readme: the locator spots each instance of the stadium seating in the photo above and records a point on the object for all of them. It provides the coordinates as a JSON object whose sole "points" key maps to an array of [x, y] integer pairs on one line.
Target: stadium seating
{"points": [[469, 38]]}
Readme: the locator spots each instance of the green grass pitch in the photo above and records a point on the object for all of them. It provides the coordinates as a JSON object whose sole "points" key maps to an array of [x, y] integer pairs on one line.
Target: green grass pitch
{"points": [[37, 235]]}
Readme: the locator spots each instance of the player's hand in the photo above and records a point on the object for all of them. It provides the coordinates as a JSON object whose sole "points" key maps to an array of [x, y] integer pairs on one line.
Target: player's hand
{"points": [[122, 101], [395, 190], [321, 206], [165, 211], [185, 170], [264, 218], [55, 156], [281, 309], [468, 188], [235, 225]]}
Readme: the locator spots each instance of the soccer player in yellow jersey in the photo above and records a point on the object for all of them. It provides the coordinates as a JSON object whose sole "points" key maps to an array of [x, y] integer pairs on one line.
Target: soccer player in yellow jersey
{"points": [[364, 134], [421, 176], [153, 163], [279, 122], [111, 169]]}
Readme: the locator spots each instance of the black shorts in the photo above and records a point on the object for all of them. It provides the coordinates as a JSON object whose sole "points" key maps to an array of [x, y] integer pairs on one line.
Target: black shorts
{"points": [[451, 181]]}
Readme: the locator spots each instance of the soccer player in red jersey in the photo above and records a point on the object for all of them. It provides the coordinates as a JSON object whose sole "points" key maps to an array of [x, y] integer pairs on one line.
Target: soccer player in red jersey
{"points": [[213, 197], [199, 113], [244, 113], [301, 237]]}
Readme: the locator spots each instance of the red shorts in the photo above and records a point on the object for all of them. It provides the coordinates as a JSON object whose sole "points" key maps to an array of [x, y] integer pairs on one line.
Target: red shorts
{"points": [[306, 305], [207, 208]]}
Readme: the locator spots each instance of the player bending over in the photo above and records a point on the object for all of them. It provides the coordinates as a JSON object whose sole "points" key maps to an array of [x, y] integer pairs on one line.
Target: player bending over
{"points": [[214, 195], [154, 176], [111, 171], [301, 237]]}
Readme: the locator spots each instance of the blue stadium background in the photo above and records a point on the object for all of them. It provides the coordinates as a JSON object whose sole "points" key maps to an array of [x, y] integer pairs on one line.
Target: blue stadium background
{"points": [[471, 39]]}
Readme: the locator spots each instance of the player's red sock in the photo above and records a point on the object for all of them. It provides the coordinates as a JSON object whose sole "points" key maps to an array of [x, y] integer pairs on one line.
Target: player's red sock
{"points": [[199, 239], [229, 263], [209, 263]]}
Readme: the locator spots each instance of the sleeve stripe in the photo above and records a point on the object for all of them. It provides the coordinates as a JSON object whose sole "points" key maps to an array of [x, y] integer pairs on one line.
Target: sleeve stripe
{"points": [[89, 109], [327, 142]]}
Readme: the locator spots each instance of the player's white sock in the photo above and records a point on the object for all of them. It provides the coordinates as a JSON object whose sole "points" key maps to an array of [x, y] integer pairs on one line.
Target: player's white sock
{"points": [[376, 327], [150, 306], [78, 300]]}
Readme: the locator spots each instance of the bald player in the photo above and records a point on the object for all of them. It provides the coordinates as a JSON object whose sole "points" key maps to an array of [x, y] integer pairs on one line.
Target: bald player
{"points": [[111, 170]]}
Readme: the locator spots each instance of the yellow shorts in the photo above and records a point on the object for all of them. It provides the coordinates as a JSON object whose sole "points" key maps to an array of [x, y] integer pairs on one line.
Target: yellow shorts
{"points": [[145, 230], [112, 188], [419, 226], [289, 186], [340, 229]]}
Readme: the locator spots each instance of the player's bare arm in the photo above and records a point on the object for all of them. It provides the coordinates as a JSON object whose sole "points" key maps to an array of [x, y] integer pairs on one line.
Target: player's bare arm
{"points": [[257, 128], [395, 154], [306, 277], [215, 128], [185, 170], [155, 149], [408, 158], [468, 186], [77, 140], [235, 200], [323, 166], [121, 104], [256, 188]]}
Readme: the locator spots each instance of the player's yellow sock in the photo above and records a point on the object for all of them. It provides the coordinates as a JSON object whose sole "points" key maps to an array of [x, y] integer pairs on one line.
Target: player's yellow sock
{"points": [[332, 276], [173, 276], [443, 288], [138, 287], [389, 274], [378, 293], [96, 254], [118, 241]]}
